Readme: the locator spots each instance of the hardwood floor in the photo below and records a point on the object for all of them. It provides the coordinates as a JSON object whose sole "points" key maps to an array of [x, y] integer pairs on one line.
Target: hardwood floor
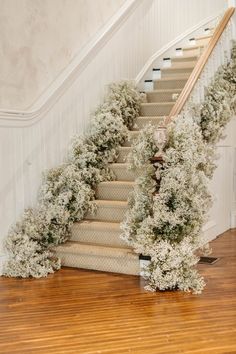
{"points": [[79, 311]]}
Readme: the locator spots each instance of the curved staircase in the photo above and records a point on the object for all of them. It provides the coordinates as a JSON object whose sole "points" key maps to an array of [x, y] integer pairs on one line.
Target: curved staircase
{"points": [[95, 242]]}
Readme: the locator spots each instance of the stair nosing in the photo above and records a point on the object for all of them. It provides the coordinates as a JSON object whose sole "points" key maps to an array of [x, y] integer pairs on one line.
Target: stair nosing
{"points": [[203, 37], [172, 78], [194, 47], [75, 247], [157, 103], [117, 183], [171, 68], [99, 223], [108, 203], [163, 91]]}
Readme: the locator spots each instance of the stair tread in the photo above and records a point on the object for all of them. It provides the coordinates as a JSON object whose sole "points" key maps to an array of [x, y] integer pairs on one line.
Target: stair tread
{"points": [[76, 247], [185, 56], [98, 224], [203, 37], [191, 47], [180, 77], [110, 203], [158, 103], [187, 65], [157, 117], [119, 164], [174, 90], [125, 147], [117, 183]]}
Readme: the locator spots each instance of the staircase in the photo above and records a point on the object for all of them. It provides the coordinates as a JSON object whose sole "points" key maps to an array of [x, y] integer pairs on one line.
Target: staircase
{"points": [[95, 242]]}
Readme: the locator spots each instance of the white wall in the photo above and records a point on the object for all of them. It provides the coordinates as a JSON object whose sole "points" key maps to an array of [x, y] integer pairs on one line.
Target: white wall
{"points": [[222, 215], [39, 38]]}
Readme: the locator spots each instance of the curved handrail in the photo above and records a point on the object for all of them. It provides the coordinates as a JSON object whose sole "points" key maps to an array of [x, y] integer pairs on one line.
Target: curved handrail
{"points": [[200, 65]]}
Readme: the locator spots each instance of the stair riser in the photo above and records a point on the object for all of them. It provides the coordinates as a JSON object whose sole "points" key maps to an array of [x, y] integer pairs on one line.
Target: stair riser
{"points": [[189, 65], [170, 84], [122, 174], [103, 237], [113, 193], [175, 72], [114, 213], [190, 52], [141, 121], [155, 110], [184, 59], [121, 265], [203, 41], [123, 153], [132, 137], [161, 97]]}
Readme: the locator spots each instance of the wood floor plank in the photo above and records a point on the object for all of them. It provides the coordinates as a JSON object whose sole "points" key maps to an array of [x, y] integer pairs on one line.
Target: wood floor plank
{"points": [[78, 311]]}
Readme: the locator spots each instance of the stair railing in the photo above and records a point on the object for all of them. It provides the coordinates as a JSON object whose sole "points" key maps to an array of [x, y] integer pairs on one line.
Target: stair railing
{"points": [[216, 53]]}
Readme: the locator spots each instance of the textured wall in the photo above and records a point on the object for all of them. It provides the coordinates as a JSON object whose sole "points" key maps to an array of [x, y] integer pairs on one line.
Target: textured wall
{"points": [[38, 38]]}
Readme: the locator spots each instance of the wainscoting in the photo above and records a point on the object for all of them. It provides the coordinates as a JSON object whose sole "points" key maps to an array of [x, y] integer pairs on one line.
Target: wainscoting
{"points": [[88, 312]]}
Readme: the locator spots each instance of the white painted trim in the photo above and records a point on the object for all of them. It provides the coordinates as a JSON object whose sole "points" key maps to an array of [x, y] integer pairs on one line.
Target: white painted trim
{"points": [[207, 231], [233, 219], [2, 261], [171, 44], [209, 225], [19, 118]]}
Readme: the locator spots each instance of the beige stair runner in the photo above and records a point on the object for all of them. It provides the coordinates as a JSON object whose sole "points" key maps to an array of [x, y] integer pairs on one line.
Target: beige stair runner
{"points": [[95, 242]]}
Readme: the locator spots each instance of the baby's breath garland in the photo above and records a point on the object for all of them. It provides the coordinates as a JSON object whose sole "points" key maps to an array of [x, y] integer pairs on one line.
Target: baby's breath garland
{"points": [[166, 216], [67, 192]]}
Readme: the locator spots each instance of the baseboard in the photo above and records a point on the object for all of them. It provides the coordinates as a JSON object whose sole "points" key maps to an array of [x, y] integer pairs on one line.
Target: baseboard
{"points": [[209, 232], [2, 261], [233, 219]]}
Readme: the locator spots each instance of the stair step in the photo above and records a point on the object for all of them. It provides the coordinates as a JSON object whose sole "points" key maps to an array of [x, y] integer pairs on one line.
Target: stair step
{"points": [[98, 232], [121, 171], [177, 65], [162, 95], [206, 36], [185, 58], [174, 74], [171, 82], [114, 190], [123, 153], [142, 121], [156, 109], [192, 47], [109, 210], [97, 257], [203, 40], [133, 134]]}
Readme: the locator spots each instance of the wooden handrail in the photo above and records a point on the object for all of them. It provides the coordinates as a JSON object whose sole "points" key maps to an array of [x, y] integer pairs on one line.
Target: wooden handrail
{"points": [[200, 65]]}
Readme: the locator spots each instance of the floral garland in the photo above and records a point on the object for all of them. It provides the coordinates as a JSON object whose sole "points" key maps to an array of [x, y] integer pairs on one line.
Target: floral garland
{"points": [[166, 216], [67, 192]]}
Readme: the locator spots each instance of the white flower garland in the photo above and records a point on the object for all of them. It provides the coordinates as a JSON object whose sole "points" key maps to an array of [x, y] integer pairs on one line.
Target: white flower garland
{"points": [[166, 217], [67, 192]]}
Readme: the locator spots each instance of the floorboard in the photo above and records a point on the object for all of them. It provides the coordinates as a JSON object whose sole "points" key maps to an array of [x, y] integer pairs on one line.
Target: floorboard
{"points": [[77, 311]]}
